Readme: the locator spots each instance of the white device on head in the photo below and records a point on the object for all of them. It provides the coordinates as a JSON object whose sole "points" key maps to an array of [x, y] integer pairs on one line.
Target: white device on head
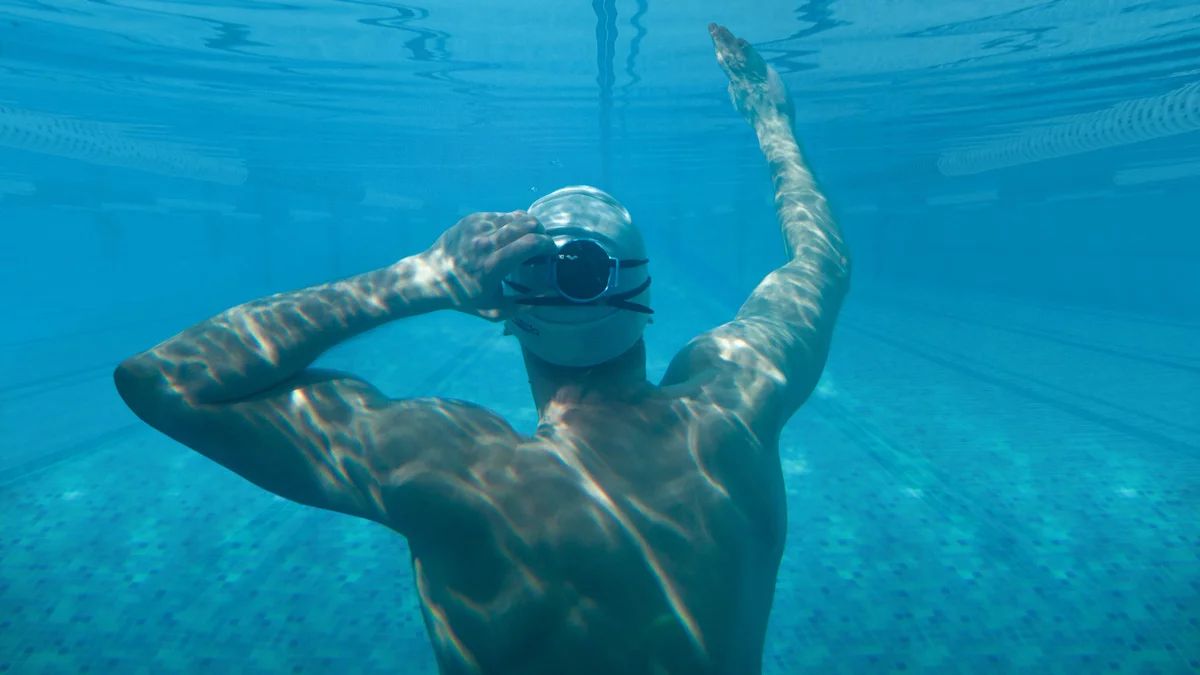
{"points": [[581, 335]]}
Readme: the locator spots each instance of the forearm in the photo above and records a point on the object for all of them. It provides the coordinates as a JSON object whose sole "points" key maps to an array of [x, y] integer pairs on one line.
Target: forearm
{"points": [[261, 343], [810, 233]]}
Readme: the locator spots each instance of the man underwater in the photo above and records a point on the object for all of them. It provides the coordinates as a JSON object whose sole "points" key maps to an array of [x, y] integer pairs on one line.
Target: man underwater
{"points": [[640, 529]]}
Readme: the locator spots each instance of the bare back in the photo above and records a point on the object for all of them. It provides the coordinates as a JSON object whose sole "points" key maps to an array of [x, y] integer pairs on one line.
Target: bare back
{"points": [[637, 536], [633, 534]]}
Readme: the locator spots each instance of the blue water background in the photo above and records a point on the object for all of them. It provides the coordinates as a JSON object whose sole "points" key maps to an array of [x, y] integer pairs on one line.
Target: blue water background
{"points": [[999, 471]]}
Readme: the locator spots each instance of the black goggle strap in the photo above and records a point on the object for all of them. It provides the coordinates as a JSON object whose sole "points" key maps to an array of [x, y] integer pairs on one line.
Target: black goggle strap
{"points": [[542, 259], [619, 300], [520, 288]]}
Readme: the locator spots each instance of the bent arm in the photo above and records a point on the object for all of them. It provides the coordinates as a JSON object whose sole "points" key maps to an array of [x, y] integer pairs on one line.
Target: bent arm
{"points": [[788, 320], [236, 389], [260, 344], [764, 363]]}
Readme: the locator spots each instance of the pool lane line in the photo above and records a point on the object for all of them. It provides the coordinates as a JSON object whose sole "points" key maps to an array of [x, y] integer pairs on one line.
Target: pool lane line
{"points": [[1145, 435], [56, 381], [26, 468], [1159, 421], [1109, 314], [909, 467], [1051, 337]]}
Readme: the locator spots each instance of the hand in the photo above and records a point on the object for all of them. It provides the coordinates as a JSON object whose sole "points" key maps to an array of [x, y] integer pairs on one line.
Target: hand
{"points": [[756, 89], [476, 254]]}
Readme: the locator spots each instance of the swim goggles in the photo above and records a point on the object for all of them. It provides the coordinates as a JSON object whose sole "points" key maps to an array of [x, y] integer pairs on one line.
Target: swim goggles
{"points": [[583, 273]]}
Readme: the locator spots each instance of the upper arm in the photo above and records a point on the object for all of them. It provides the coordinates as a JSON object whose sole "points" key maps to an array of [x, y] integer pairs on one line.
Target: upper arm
{"points": [[765, 362], [321, 438]]}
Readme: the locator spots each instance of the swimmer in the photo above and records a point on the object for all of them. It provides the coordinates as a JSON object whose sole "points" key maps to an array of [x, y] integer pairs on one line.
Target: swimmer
{"points": [[639, 529]]}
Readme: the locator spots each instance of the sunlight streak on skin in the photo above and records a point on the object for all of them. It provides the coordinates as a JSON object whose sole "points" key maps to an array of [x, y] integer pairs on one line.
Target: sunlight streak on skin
{"points": [[787, 321], [297, 325], [568, 454], [229, 355], [657, 518], [433, 269], [441, 624], [306, 425], [299, 398], [743, 354], [372, 301], [807, 225], [694, 443]]}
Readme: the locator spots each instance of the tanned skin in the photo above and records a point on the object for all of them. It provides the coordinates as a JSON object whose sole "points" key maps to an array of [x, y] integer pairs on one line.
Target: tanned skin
{"points": [[638, 531]]}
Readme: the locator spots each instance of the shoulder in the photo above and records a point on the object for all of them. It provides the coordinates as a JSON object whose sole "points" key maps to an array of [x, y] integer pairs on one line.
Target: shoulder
{"points": [[435, 457], [729, 385], [453, 417], [739, 452], [437, 431]]}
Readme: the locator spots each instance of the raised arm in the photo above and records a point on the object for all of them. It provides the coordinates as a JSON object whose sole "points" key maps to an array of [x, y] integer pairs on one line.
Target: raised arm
{"points": [[237, 387], [764, 363]]}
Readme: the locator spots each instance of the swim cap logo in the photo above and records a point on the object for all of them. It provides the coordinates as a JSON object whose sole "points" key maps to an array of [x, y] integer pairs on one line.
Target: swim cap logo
{"points": [[520, 323]]}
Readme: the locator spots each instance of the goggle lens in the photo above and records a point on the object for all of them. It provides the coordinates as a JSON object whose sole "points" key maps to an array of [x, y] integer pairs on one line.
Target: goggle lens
{"points": [[582, 270]]}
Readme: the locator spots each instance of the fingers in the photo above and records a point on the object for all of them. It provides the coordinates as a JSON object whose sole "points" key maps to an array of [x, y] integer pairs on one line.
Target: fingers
{"points": [[531, 244], [737, 57], [502, 241], [519, 224], [719, 33], [498, 230], [730, 50]]}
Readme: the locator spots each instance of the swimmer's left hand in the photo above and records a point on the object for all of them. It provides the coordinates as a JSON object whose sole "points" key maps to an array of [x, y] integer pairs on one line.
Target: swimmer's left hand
{"points": [[755, 87], [471, 259]]}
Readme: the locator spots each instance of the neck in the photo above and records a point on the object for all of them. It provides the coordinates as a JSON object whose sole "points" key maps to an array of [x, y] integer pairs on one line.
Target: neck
{"points": [[612, 379]]}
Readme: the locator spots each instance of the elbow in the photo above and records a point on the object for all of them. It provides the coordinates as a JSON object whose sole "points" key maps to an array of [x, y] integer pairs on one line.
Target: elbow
{"points": [[828, 269], [137, 383], [842, 262], [838, 267]]}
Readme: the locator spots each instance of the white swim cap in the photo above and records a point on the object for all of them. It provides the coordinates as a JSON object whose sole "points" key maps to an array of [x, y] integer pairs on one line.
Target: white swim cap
{"points": [[570, 334]]}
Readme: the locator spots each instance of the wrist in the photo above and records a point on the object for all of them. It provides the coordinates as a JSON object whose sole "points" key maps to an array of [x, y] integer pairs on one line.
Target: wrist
{"points": [[413, 285]]}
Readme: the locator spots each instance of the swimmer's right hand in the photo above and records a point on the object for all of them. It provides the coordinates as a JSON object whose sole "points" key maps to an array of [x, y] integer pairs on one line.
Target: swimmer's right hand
{"points": [[471, 259]]}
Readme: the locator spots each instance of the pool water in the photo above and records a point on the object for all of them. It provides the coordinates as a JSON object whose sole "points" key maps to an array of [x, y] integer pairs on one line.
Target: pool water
{"points": [[998, 472]]}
